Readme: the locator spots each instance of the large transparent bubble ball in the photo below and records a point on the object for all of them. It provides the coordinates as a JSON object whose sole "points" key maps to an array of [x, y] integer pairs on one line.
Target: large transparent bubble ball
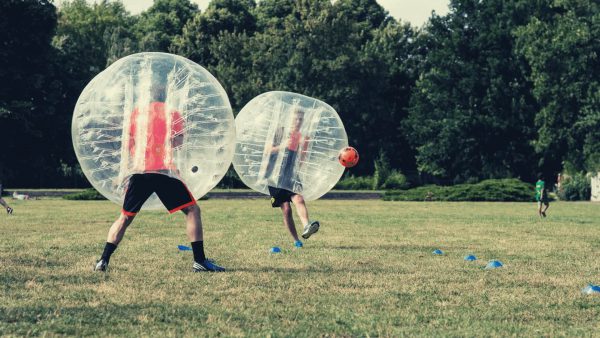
{"points": [[153, 113], [289, 141]]}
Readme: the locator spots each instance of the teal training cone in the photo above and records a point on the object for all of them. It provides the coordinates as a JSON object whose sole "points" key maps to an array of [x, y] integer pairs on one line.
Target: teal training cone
{"points": [[470, 258], [493, 265], [591, 290]]}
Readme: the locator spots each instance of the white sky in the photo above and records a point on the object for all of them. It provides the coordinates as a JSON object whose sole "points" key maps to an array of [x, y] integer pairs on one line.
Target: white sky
{"points": [[414, 11]]}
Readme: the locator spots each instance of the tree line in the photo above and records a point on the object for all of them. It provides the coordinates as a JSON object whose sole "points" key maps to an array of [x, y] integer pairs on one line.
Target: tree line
{"points": [[493, 89]]}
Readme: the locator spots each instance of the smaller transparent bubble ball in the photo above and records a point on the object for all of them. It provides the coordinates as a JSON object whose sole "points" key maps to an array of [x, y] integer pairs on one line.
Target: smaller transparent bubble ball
{"points": [[153, 113], [289, 141]]}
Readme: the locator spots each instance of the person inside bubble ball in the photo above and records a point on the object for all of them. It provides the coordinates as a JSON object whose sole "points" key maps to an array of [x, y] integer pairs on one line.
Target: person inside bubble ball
{"points": [[281, 197], [151, 141]]}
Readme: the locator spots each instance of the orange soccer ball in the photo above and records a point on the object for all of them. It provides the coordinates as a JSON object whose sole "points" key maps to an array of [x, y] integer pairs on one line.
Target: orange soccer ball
{"points": [[348, 157]]}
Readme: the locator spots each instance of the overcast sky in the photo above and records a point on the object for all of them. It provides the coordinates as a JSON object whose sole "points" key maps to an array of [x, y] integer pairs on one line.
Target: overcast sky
{"points": [[414, 11]]}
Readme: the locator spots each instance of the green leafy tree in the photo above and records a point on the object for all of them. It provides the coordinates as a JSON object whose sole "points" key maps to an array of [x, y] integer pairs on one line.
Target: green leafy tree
{"points": [[472, 111], [562, 48], [157, 27], [88, 38], [87, 31], [233, 67], [29, 90], [221, 16], [367, 14], [272, 14], [388, 65], [218, 39]]}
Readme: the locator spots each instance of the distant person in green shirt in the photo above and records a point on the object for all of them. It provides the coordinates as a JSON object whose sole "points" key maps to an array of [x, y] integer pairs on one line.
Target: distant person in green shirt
{"points": [[541, 196]]}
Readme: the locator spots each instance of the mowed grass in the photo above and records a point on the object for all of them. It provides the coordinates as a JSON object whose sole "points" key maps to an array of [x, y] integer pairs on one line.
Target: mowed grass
{"points": [[368, 272]]}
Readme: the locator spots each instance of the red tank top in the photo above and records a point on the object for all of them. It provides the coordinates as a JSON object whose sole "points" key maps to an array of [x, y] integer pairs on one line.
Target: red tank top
{"points": [[294, 140], [152, 138]]}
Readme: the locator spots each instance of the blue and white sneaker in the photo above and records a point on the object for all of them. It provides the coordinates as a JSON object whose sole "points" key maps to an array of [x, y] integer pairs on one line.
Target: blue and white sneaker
{"points": [[101, 265], [9, 210], [207, 265], [310, 229], [298, 244]]}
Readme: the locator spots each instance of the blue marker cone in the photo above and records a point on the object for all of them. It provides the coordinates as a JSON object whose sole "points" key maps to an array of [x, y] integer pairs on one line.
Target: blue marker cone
{"points": [[275, 249], [470, 258], [184, 248], [591, 290], [438, 252], [493, 265]]}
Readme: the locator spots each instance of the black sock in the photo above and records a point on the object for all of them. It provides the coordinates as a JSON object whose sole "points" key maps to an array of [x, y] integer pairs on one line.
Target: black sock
{"points": [[109, 248], [198, 248]]}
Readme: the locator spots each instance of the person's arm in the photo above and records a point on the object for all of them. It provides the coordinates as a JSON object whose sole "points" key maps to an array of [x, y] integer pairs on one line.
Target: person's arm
{"points": [[276, 145], [304, 150], [132, 124]]}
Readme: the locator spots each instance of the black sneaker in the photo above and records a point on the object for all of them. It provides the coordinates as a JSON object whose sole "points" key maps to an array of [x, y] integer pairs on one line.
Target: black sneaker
{"points": [[207, 265], [9, 210], [310, 229], [101, 265], [544, 213]]}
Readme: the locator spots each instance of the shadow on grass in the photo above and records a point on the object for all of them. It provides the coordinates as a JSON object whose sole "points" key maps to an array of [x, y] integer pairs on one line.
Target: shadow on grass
{"points": [[106, 318], [368, 268], [33, 262], [386, 247]]}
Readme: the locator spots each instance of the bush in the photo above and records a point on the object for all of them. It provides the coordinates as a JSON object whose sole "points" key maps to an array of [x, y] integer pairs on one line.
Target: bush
{"points": [[87, 195], [488, 190], [382, 171], [355, 183], [395, 180], [575, 188]]}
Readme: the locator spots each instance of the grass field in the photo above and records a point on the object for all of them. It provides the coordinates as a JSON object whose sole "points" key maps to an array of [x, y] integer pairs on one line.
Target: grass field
{"points": [[368, 272]]}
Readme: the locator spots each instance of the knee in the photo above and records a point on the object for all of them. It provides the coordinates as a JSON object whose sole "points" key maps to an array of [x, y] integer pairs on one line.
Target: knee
{"points": [[194, 208], [126, 219], [298, 199], [285, 207]]}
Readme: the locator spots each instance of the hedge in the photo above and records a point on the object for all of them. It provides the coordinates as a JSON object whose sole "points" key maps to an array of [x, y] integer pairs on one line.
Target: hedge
{"points": [[87, 195], [488, 190]]}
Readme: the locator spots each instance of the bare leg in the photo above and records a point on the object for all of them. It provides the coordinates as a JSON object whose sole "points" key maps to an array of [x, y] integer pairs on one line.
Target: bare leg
{"points": [[194, 231], [301, 208], [117, 230], [540, 209], [3, 203], [193, 223], [288, 220]]}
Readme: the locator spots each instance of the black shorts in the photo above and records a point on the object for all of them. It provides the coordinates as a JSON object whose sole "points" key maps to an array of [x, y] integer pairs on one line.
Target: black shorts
{"points": [[173, 194], [279, 196]]}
